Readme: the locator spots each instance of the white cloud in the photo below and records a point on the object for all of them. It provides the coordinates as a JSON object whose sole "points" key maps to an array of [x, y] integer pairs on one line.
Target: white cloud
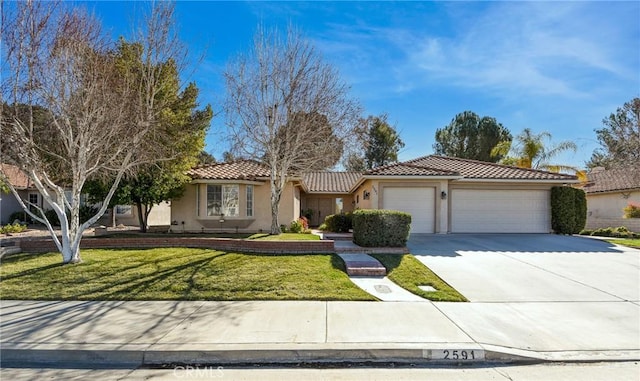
{"points": [[528, 48], [523, 48]]}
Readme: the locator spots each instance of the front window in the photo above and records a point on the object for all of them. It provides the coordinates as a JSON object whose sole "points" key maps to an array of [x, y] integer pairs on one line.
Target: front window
{"points": [[249, 200], [123, 209], [33, 199], [222, 200]]}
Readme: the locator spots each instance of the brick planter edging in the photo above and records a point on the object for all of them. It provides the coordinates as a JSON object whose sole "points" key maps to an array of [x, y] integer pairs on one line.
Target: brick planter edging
{"points": [[41, 245]]}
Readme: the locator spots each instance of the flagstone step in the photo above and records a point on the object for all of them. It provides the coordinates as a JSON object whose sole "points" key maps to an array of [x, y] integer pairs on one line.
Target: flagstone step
{"points": [[360, 264]]}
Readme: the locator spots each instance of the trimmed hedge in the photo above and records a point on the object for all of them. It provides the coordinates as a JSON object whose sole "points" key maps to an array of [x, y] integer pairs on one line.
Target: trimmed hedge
{"points": [[381, 228], [568, 210], [339, 223]]}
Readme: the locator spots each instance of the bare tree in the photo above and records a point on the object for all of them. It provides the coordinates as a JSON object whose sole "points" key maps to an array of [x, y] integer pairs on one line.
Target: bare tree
{"points": [[287, 108], [101, 117]]}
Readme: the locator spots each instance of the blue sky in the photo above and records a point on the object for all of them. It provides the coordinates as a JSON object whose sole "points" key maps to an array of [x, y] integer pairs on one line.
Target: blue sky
{"points": [[559, 67]]}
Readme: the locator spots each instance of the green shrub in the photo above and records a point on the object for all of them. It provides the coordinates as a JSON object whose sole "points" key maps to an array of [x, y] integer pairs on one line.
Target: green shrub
{"points": [[296, 227], [586, 232], [12, 228], [20, 216], [86, 212], [52, 217], [339, 223], [323, 227], [632, 211], [381, 228], [619, 232], [580, 203], [568, 210]]}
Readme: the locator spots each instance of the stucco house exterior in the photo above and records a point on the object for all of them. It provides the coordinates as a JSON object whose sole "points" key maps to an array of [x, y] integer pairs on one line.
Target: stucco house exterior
{"points": [[443, 195], [125, 214], [24, 187], [608, 192]]}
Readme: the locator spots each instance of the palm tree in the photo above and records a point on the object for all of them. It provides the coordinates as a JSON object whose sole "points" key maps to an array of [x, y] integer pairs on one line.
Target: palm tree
{"points": [[529, 151]]}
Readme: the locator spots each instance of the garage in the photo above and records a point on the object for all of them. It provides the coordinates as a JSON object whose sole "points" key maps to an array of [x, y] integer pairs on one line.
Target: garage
{"points": [[500, 211], [417, 201]]}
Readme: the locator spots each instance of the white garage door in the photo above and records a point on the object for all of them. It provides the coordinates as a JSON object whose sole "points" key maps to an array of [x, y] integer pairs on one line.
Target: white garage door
{"points": [[419, 202], [500, 211]]}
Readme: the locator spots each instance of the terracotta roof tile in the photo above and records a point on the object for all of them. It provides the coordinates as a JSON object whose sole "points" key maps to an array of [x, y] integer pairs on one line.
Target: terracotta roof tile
{"points": [[16, 177], [330, 182], [406, 169], [473, 169], [613, 180], [239, 170]]}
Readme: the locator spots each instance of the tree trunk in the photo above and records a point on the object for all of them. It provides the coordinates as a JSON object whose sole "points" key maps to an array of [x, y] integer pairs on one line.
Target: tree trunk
{"points": [[275, 226], [276, 193], [142, 221], [113, 217]]}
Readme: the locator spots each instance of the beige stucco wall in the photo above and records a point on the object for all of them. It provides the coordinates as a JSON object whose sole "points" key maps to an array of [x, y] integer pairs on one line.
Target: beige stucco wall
{"points": [[605, 210], [184, 209], [376, 188], [160, 216]]}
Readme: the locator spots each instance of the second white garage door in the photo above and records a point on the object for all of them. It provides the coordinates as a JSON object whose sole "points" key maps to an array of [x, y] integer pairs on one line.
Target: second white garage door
{"points": [[500, 211], [417, 201]]}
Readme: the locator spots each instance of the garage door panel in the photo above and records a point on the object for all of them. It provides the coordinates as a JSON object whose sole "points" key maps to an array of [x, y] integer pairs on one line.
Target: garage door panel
{"points": [[417, 201], [500, 211]]}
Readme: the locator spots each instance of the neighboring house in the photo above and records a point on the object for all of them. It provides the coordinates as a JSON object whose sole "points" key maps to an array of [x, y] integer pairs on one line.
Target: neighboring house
{"points": [[128, 215], [443, 195], [125, 214], [608, 192], [24, 187]]}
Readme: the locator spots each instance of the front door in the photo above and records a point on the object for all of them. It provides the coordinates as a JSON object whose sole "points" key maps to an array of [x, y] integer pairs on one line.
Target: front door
{"points": [[321, 208], [325, 208]]}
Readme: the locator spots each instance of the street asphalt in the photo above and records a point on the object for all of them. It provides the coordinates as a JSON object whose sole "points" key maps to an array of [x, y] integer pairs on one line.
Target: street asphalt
{"points": [[533, 298]]}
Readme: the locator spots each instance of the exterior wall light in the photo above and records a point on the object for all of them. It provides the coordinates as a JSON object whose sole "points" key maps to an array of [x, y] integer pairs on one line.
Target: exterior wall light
{"points": [[443, 195]]}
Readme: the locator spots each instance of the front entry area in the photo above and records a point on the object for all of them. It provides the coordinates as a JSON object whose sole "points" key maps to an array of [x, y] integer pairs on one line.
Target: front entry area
{"points": [[318, 208]]}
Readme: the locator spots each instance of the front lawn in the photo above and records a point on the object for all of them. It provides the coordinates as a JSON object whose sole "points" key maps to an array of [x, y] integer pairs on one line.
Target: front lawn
{"points": [[409, 273], [177, 274], [634, 243]]}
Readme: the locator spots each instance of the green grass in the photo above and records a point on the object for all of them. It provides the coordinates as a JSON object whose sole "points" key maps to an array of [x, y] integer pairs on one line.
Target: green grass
{"points": [[176, 274], [285, 237], [409, 273], [634, 243]]}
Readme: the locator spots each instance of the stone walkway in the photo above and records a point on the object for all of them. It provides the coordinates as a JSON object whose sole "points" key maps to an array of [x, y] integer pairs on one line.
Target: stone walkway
{"points": [[368, 273]]}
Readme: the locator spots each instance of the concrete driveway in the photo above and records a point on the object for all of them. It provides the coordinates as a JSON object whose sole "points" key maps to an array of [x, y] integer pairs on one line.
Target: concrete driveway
{"points": [[537, 292], [531, 267]]}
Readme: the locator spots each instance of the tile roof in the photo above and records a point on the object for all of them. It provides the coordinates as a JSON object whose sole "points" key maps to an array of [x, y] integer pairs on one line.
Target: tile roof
{"points": [[469, 169], [16, 177], [406, 169], [330, 182], [238, 170], [613, 180]]}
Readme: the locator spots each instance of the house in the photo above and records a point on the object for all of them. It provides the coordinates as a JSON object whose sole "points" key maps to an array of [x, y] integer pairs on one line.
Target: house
{"points": [[608, 192], [125, 214], [27, 191], [443, 195]]}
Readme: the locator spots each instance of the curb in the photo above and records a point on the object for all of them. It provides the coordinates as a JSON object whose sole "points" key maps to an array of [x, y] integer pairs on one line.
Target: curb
{"points": [[160, 355]]}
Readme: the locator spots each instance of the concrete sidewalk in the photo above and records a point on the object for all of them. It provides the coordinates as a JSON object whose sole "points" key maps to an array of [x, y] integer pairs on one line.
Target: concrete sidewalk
{"points": [[153, 332]]}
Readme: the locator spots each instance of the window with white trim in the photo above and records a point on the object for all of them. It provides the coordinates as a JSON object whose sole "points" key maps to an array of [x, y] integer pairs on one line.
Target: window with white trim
{"points": [[249, 200], [223, 200]]}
